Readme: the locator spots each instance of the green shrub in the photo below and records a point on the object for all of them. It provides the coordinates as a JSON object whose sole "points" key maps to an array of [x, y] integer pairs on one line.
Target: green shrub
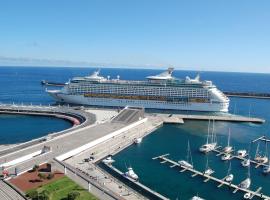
{"points": [[73, 195], [32, 194], [50, 176]]}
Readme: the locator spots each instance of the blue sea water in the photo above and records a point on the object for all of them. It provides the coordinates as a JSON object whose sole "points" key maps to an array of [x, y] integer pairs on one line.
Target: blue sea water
{"points": [[22, 84], [22, 128]]}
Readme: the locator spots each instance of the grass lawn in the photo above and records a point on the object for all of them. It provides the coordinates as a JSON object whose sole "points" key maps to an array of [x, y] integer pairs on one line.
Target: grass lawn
{"points": [[59, 189]]}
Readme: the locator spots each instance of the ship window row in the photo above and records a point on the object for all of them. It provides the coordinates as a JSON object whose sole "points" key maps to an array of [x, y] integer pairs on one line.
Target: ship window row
{"points": [[144, 91]]}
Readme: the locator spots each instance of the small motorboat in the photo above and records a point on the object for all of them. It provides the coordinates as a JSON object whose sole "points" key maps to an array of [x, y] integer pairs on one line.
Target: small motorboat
{"points": [[131, 174], [226, 156], [247, 195], [241, 153], [108, 160], [138, 140], [229, 178], [245, 163]]}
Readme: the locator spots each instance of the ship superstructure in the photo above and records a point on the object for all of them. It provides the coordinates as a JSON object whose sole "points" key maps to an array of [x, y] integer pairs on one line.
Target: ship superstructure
{"points": [[161, 91]]}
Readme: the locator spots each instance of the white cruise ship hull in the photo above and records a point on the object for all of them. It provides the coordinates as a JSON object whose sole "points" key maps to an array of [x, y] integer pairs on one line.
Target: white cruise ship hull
{"points": [[150, 104]]}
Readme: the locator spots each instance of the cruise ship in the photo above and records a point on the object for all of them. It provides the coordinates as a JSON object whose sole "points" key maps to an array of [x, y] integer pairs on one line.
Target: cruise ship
{"points": [[162, 91]]}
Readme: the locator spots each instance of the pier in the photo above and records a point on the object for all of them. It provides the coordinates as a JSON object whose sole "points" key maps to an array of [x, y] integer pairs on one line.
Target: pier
{"points": [[169, 118], [220, 182], [151, 194], [248, 95]]}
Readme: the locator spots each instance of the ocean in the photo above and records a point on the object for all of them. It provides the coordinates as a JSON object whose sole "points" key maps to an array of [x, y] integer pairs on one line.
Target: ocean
{"points": [[22, 85]]}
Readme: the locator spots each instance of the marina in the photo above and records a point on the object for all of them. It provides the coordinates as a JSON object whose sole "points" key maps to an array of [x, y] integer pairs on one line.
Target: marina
{"points": [[221, 182]]}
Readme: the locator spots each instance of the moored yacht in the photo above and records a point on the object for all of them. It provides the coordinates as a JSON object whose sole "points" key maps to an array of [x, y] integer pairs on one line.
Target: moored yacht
{"points": [[228, 148], [210, 145], [230, 176], [108, 160], [131, 174], [188, 162]]}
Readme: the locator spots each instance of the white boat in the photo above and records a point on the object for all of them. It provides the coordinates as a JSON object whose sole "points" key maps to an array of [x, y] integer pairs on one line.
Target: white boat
{"points": [[161, 91], [245, 184], [108, 160], [247, 195], [138, 140], [261, 158], [228, 148], [208, 171], [131, 174], [245, 163], [226, 156], [242, 153], [229, 177], [212, 145], [188, 162], [185, 164], [197, 198], [266, 169]]}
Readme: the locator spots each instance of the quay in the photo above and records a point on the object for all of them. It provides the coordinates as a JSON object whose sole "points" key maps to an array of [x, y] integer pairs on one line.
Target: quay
{"points": [[248, 95], [119, 129], [220, 182], [179, 118]]}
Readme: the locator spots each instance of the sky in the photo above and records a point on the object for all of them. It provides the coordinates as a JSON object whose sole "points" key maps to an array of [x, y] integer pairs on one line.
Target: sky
{"points": [[211, 35]]}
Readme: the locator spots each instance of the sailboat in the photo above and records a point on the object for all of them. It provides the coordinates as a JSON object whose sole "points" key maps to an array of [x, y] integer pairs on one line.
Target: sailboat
{"points": [[212, 145], [246, 161], [226, 156], [245, 184], [208, 171], [229, 177], [259, 158], [266, 169], [188, 162], [228, 148]]}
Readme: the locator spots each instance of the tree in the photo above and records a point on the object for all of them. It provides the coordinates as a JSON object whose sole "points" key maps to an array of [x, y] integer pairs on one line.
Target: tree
{"points": [[41, 175], [50, 176], [32, 194], [35, 168], [73, 195], [44, 195]]}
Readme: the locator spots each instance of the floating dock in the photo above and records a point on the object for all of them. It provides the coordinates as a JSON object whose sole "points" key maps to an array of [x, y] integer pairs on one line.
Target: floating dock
{"points": [[257, 164], [221, 182], [229, 118], [248, 95]]}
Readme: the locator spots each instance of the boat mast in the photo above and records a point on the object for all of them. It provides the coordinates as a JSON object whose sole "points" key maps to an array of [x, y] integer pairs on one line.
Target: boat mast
{"points": [[208, 132], [229, 137], [189, 154], [229, 169], [257, 150]]}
